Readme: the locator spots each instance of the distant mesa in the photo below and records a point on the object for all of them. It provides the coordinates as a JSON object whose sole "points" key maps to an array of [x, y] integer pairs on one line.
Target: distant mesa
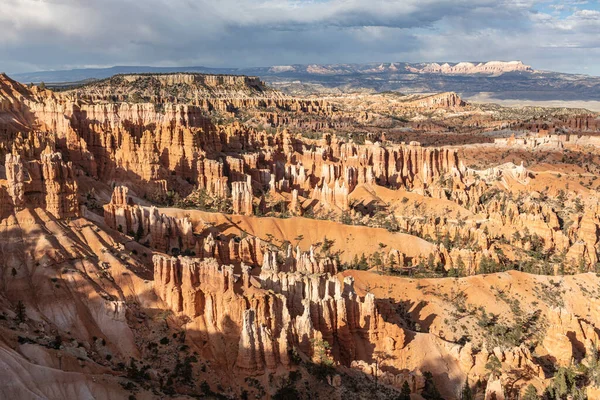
{"points": [[276, 69], [325, 69], [466, 68]]}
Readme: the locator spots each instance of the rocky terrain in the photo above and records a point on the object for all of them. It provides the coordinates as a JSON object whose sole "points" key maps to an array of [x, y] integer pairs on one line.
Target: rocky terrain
{"points": [[207, 236]]}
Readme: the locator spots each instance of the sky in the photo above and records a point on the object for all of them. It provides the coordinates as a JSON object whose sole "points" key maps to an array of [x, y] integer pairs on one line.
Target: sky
{"points": [[64, 34]]}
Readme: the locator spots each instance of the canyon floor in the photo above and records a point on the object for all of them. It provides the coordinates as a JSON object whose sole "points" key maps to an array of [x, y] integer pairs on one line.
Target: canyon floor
{"points": [[207, 236]]}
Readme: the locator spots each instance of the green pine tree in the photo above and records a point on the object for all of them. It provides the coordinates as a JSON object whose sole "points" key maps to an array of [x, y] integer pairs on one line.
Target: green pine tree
{"points": [[404, 392], [430, 391], [355, 262], [530, 393], [376, 260], [466, 393], [494, 366], [447, 242], [363, 264], [20, 311], [460, 266]]}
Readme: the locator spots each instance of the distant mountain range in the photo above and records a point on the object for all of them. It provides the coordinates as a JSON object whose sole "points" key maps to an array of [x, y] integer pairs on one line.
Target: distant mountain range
{"points": [[495, 80]]}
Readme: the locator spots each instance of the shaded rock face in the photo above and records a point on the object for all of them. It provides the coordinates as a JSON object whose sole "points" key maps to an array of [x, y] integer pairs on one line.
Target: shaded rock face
{"points": [[168, 234], [146, 141], [185, 150], [202, 289], [61, 196], [49, 183], [288, 306], [147, 224]]}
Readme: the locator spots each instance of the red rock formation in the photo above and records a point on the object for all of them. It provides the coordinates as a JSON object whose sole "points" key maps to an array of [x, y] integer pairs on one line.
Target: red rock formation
{"points": [[211, 178], [250, 320], [15, 175], [147, 224], [206, 290], [60, 186], [336, 195], [169, 234], [293, 304], [295, 206], [241, 193], [49, 182], [154, 148]]}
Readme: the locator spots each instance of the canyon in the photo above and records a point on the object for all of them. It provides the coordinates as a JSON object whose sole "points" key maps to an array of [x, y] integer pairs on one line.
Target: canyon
{"points": [[187, 235]]}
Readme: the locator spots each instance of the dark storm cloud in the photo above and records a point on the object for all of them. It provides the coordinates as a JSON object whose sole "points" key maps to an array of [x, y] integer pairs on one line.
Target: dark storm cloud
{"points": [[56, 34]]}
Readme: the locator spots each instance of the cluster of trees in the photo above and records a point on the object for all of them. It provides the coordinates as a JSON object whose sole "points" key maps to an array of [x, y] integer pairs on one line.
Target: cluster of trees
{"points": [[565, 386], [200, 199]]}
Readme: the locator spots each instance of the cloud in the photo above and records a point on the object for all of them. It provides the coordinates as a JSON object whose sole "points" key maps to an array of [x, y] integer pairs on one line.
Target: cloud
{"points": [[55, 34]]}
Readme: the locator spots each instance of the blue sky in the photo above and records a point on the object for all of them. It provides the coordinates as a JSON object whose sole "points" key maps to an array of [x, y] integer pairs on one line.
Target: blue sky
{"points": [[59, 34], [563, 9]]}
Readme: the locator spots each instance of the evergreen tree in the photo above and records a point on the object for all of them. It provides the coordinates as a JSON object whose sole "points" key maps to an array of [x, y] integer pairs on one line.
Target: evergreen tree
{"points": [[530, 393], [484, 265], [376, 260], [591, 365], [298, 239], [457, 239], [355, 262], [327, 246], [321, 349], [460, 266], [466, 393], [363, 264], [139, 233], [494, 366], [582, 265], [185, 371], [431, 262], [430, 391], [133, 371], [447, 242], [404, 392], [20, 311], [563, 385], [392, 261]]}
